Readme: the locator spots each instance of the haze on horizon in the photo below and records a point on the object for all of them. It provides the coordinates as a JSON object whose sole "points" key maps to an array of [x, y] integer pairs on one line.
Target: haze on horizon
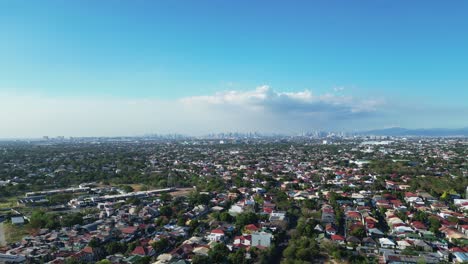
{"points": [[126, 68]]}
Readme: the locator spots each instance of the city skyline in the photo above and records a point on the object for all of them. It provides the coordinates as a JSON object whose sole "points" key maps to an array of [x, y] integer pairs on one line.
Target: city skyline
{"points": [[132, 68]]}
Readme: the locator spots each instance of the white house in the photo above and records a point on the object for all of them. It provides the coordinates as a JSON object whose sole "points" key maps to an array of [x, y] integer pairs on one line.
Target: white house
{"points": [[262, 239], [386, 243], [236, 209], [216, 235], [402, 229], [402, 244], [243, 241]]}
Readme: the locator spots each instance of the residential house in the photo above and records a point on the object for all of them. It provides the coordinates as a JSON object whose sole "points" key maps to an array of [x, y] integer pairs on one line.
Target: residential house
{"points": [[243, 241], [386, 243], [216, 235], [261, 239]]}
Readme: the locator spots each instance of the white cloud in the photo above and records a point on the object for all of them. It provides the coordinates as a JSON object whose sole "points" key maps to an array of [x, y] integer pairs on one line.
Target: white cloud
{"points": [[264, 98], [261, 109]]}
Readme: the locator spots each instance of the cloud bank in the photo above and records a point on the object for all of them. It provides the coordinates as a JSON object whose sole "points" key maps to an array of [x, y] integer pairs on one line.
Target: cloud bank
{"points": [[262, 109], [264, 98]]}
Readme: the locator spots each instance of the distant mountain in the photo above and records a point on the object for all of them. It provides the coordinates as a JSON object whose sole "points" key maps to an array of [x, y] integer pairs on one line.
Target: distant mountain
{"points": [[432, 132]]}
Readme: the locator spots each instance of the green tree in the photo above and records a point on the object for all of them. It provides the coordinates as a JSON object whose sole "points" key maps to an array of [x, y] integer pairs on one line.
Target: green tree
{"points": [[359, 232], [165, 210], [238, 257], [115, 247], [160, 245], [72, 219], [37, 219], [104, 261], [94, 243], [133, 201], [200, 259], [127, 188], [144, 260], [434, 224], [219, 253], [225, 217], [165, 197], [246, 219]]}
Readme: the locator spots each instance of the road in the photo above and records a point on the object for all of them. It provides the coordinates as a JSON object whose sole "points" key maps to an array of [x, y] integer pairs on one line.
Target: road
{"points": [[2, 235]]}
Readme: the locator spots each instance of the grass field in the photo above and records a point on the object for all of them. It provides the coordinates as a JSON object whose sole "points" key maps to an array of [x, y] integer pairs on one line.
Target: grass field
{"points": [[8, 202], [135, 186], [15, 233]]}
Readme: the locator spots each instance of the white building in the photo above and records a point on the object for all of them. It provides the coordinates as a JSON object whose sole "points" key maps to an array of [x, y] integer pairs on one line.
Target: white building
{"points": [[262, 239], [216, 235]]}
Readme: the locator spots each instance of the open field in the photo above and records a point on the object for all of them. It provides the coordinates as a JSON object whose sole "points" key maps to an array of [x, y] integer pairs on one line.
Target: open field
{"points": [[14, 233], [181, 192], [8, 202]]}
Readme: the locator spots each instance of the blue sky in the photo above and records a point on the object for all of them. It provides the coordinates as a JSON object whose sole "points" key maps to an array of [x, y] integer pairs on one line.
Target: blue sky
{"points": [[405, 61]]}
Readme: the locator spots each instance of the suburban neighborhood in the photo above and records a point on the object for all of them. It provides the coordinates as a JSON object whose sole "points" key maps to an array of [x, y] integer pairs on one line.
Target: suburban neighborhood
{"points": [[235, 200]]}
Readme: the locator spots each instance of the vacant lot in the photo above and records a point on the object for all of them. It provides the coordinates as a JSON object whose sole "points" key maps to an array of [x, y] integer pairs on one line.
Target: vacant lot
{"points": [[181, 192], [14, 233]]}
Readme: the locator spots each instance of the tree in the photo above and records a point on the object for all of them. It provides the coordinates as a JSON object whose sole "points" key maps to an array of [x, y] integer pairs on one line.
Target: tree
{"points": [[40, 219], [245, 219], [238, 256], [165, 210], [37, 219], [219, 253], [72, 219], [199, 198], [104, 261], [181, 220], [303, 254], [420, 216], [358, 259], [52, 221], [193, 224], [290, 251], [165, 197], [453, 219], [144, 260], [94, 243], [225, 217], [127, 188], [359, 232], [130, 247], [60, 198], [133, 201], [302, 249], [434, 225], [160, 245], [73, 261], [201, 259], [115, 247]]}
